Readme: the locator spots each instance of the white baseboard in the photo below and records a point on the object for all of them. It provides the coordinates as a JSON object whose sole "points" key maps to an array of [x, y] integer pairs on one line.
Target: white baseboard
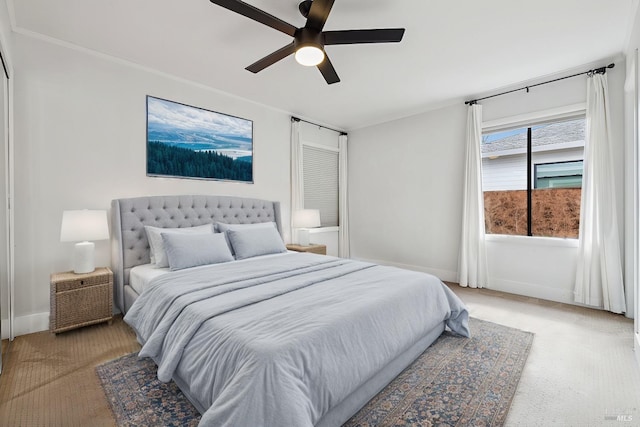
{"points": [[4, 332], [509, 286], [444, 275], [26, 324], [32, 323], [636, 347], [533, 290]]}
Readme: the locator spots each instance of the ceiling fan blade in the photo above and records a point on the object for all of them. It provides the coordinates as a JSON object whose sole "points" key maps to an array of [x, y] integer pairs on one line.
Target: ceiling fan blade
{"points": [[272, 58], [318, 14], [387, 35], [327, 70], [256, 14]]}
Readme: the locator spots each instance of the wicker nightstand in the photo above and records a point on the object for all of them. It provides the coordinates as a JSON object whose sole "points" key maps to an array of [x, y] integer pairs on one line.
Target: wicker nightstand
{"points": [[316, 249], [80, 299]]}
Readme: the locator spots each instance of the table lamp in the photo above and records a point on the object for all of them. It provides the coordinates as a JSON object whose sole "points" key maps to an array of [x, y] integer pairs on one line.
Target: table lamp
{"points": [[84, 226], [303, 220]]}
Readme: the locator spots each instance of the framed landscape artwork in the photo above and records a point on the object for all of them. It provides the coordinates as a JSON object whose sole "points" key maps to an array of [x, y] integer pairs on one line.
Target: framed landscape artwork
{"points": [[191, 142]]}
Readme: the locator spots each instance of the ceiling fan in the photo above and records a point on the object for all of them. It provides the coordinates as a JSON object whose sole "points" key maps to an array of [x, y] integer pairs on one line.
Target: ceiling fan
{"points": [[309, 41]]}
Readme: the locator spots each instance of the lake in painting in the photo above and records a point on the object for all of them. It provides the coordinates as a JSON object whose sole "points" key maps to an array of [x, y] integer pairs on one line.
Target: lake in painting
{"points": [[191, 142]]}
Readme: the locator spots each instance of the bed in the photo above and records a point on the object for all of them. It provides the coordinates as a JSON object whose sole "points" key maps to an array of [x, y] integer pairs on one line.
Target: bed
{"points": [[276, 339]]}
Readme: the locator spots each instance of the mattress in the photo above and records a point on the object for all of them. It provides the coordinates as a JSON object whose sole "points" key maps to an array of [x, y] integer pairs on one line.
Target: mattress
{"points": [[141, 275]]}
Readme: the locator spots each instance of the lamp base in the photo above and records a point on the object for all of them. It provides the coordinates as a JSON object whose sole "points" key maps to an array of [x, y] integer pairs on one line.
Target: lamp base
{"points": [[83, 257], [303, 237]]}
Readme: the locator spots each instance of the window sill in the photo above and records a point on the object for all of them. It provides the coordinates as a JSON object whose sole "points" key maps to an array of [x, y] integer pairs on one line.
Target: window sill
{"points": [[533, 240], [324, 230]]}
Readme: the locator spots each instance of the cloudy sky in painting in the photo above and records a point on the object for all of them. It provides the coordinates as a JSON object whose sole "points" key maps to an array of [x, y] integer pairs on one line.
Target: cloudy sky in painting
{"points": [[183, 117]]}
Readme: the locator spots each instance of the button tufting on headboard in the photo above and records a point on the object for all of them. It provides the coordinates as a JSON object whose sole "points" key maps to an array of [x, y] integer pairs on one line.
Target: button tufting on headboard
{"points": [[129, 216]]}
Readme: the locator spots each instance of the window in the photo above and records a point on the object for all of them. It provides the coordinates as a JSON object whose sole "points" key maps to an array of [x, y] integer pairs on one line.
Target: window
{"points": [[532, 178], [558, 175], [320, 171]]}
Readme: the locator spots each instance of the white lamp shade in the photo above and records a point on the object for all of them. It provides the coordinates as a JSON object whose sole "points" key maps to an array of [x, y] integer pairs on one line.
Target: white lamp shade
{"points": [[84, 225], [306, 218]]}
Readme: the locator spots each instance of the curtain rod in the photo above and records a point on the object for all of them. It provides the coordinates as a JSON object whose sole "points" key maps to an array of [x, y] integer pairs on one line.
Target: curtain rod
{"points": [[600, 70], [297, 119]]}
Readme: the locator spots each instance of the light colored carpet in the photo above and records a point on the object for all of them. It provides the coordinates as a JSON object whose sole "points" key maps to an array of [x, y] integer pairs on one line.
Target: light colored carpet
{"points": [[581, 368]]}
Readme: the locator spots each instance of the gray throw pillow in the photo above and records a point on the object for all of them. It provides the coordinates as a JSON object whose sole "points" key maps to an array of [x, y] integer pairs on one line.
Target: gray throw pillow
{"points": [[222, 227], [191, 250], [158, 254], [254, 242]]}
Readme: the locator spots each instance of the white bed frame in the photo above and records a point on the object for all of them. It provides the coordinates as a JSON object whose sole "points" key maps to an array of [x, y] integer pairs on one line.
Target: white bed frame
{"points": [[130, 248]]}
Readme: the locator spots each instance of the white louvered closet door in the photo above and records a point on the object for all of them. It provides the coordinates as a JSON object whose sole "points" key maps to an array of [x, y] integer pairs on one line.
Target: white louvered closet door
{"points": [[320, 171]]}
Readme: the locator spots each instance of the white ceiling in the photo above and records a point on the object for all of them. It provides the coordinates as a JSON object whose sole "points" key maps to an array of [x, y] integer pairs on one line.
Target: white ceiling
{"points": [[451, 49]]}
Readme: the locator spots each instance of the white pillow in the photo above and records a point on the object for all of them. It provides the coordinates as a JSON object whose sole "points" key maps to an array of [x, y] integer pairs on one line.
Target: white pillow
{"points": [[256, 241], [223, 227], [156, 245], [191, 250]]}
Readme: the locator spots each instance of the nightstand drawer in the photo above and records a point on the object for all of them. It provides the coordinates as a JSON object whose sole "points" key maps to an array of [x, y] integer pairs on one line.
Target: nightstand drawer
{"points": [[64, 283]]}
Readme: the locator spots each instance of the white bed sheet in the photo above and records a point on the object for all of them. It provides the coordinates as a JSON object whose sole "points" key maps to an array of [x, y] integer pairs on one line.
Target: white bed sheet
{"points": [[141, 275]]}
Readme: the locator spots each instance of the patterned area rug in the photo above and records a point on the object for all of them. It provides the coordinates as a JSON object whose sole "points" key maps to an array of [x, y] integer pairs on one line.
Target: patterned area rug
{"points": [[455, 382]]}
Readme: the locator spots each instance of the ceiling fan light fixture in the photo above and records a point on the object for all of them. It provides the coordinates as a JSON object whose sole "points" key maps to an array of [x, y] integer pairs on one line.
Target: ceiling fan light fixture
{"points": [[309, 55], [309, 41]]}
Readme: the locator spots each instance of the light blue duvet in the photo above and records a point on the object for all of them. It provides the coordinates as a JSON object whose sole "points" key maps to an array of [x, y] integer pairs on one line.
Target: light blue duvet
{"points": [[279, 341]]}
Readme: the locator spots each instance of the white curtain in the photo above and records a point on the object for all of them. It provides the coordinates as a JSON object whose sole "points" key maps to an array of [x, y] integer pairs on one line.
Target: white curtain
{"points": [[472, 261], [343, 204], [297, 181], [599, 273]]}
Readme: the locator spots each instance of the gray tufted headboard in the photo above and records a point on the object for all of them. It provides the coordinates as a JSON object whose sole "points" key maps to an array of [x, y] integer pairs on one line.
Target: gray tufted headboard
{"points": [[129, 216]]}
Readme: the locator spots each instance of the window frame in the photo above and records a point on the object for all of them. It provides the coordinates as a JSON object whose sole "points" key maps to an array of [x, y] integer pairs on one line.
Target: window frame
{"points": [[528, 121]]}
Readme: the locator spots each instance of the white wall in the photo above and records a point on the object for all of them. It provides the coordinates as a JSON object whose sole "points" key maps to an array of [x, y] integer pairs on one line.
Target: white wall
{"points": [[406, 186], [6, 40], [80, 142], [316, 134], [405, 181], [4, 214], [632, 175]]}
